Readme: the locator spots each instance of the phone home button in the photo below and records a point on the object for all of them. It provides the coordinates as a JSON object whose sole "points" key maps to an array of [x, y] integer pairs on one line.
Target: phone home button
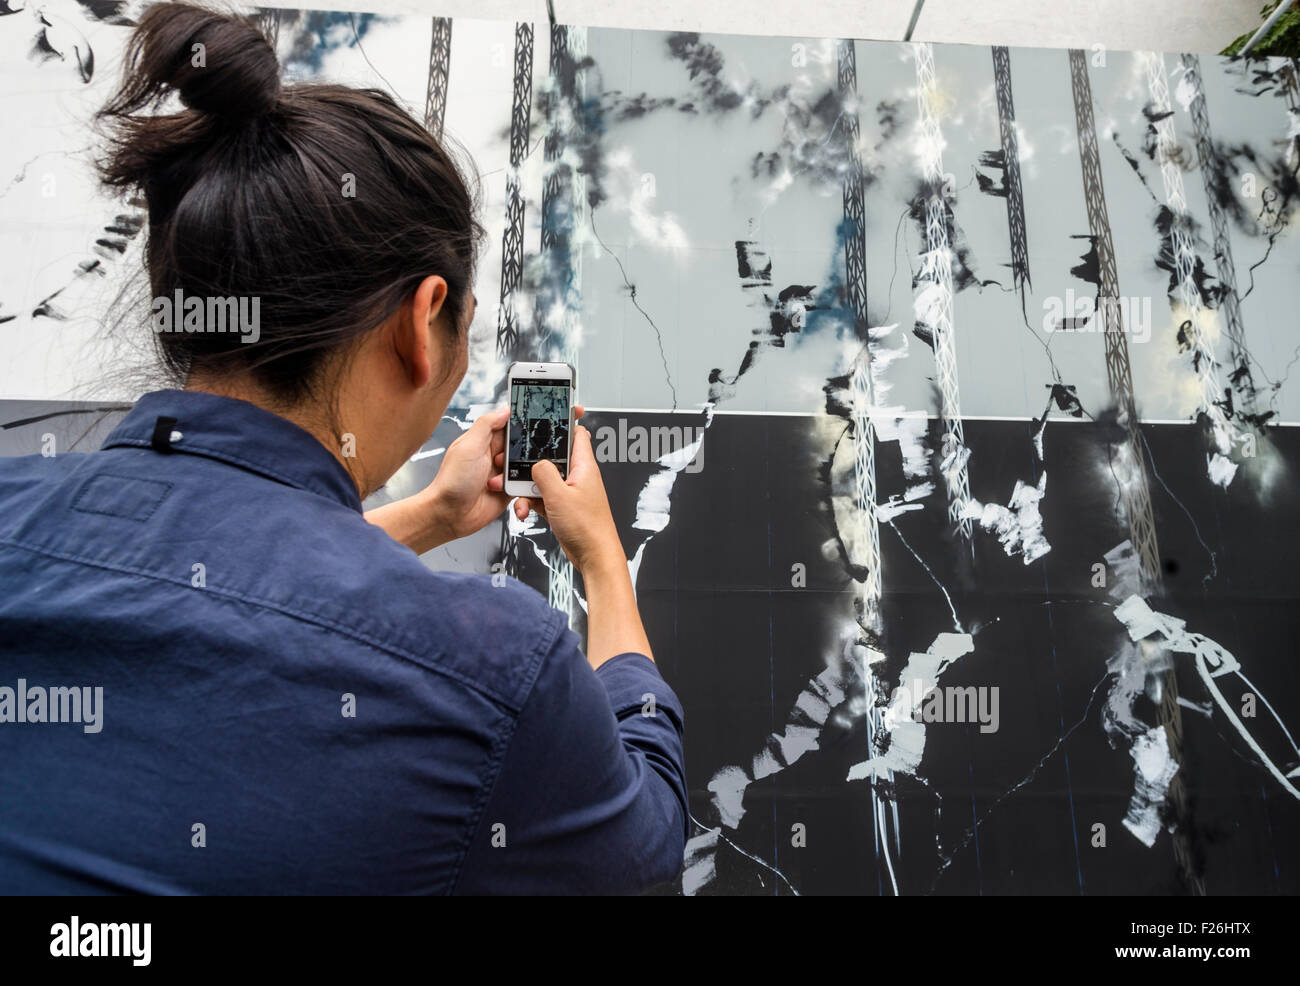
{"points": [[535, 490]]}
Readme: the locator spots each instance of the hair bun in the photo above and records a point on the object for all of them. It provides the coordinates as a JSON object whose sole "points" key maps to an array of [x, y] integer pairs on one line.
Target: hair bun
{"points": [[219, 64]]}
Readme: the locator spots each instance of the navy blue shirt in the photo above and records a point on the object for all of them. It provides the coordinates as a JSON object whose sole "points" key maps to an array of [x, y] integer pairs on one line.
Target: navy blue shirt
{"points": [[291, 702]]}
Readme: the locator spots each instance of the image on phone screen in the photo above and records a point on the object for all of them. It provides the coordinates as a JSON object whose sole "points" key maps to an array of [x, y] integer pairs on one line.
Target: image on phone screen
{"points": [[539, 427]]}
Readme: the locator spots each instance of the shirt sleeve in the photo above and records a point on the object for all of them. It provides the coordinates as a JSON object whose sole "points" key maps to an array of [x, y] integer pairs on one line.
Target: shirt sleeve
{"points": [[591, 793]]}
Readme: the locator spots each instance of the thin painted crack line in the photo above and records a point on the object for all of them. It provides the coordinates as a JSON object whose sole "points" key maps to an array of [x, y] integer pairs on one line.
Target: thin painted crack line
{"points": [[632, 287], [970, 833], [744, 852]]}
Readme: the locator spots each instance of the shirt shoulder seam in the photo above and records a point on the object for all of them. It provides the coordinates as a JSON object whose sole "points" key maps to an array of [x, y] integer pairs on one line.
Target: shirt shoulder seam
{"points": [[293, 612]]}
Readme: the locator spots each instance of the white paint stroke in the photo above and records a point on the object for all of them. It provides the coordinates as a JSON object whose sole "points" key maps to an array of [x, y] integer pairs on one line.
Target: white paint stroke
{"points": [[1212, 661], [1204, 708], [906, 735], [1138, 669], [887, 511], [1125, 569], [1221, 469], [526, 530], [798, 737], [1153, 768], [1018, 525], [893, 423], [654, 502], [699, 867]]}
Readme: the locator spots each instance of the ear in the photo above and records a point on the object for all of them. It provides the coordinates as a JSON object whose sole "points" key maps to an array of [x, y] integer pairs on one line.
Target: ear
{"points": [[414, 328]]}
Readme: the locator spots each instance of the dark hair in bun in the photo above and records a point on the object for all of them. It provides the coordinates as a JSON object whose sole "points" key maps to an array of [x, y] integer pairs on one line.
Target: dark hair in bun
{"points": [[328, 204], [217, 64]]}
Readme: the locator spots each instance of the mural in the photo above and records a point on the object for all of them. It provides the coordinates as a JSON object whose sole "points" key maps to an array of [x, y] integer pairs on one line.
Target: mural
{"points": [[942, 394]]}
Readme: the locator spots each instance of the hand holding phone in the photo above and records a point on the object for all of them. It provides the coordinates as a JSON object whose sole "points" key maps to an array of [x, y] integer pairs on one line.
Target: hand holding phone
{"points": [[540, 426], [577, 508]]}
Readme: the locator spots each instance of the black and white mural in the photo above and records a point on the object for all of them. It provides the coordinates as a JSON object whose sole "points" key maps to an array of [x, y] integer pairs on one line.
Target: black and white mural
{"points": [[943, 395]]}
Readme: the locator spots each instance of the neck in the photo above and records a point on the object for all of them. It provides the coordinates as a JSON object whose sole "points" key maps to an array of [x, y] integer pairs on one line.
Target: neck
{"points": [[308, 417]]}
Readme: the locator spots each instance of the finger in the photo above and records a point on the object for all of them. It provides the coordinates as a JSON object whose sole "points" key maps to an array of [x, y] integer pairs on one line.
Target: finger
{"points": [[547, 478], [485, 425], [584, 459], [578, 411], [499, 460], [498, 442], [497, 483], [524, 505]]}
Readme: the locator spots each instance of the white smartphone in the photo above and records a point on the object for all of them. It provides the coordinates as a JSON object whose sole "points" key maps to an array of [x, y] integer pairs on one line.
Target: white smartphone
{"points": [[542, 397]]}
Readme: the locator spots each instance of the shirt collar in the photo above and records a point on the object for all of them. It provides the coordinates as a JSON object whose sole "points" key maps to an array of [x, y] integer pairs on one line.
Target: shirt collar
{"points": [[238, 433]]}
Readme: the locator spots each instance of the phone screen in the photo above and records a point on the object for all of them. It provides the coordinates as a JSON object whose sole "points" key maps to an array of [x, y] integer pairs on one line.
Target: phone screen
{"points": [[539, 426]]}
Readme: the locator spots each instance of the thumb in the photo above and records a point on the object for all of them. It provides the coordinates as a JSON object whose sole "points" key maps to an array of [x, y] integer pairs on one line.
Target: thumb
{"points": [[547, 478], [480, 432]]}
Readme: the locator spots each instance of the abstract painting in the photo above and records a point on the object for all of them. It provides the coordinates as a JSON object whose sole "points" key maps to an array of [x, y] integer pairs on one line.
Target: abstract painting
{"points": [[942, 394]]}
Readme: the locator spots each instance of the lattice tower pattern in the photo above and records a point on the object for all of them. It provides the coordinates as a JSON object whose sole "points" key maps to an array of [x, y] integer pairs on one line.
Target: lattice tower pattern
{"points": [[1134, 489], [864, 455], [1222, 431], [512, 239], [564, 206], [435, 99], [1011, 170], [934, 280], [1214, 179]]}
